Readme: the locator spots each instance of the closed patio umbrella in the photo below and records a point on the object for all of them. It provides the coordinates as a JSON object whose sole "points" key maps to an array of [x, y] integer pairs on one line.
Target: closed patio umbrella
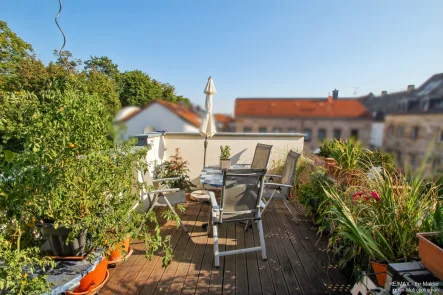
{"points": [[207, 129]]}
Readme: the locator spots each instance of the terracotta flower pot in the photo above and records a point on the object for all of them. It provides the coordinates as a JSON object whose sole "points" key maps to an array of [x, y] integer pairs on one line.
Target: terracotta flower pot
{"points": [[225, 164], [93, 281], [382, 270], [431, 255], [116, 253]]}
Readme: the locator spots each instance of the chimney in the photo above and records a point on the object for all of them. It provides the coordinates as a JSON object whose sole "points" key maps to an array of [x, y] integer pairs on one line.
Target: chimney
{"points": [[384, 92], [411, 88], [335, 94]]}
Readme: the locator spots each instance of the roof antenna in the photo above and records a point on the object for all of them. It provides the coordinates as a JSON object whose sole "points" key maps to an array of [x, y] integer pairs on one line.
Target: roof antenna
{"points": [[355, 90], [64, 37]]}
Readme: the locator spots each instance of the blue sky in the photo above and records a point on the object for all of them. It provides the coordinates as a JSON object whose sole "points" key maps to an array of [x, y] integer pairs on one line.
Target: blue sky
{"points": [[257, 48]]}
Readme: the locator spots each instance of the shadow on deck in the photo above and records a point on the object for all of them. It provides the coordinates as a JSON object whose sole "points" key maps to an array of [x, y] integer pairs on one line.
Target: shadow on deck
{"points": [[298, 262]]}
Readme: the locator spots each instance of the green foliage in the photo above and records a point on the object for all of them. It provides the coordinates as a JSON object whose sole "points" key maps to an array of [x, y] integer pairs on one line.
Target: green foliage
{"points": [[72, 173], [13, 50], [326, 148], [225, 152], [103, 65], [383, 228], [138, 89], [176, 166], [311, 193]]}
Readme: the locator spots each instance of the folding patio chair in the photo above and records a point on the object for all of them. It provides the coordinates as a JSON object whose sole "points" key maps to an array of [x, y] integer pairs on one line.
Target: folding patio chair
{"points": [[240, 201], [281, 190], [162, 197], [261, 157]]}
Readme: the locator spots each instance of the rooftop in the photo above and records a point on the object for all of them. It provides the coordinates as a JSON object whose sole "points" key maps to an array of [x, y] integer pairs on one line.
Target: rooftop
{"points": [[300, 107], [179, 109]]}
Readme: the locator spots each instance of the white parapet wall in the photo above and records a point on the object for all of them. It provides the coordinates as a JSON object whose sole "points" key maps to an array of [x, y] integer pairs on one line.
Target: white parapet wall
{"points": [[191, 148]]}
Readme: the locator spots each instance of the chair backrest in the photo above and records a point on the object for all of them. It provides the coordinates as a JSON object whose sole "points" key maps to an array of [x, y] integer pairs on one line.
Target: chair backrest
{"points": [[261, 156], [241, 192], [289, 171]]}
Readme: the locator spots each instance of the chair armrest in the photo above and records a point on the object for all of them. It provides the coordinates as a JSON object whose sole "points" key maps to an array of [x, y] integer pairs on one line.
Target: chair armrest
{"points": [[277, 184], [166, 179], [213, 201], [166, 190], [273, 175]]}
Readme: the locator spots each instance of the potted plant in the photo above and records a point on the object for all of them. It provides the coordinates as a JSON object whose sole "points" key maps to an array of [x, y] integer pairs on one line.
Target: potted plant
{"points": [[430, 247], [225, 157], [75, 176]]}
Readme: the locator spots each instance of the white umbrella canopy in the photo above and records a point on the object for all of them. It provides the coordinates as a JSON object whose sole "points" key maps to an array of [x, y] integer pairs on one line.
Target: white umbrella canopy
{"points": [[207, 127]]}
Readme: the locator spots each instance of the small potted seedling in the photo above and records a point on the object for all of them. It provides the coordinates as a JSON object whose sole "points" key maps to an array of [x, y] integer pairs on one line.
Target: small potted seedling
{"points": [[225, 154]]}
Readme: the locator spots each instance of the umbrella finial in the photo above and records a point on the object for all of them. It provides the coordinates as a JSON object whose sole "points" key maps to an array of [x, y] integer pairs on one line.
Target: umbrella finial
{"points": [[210, 77]]}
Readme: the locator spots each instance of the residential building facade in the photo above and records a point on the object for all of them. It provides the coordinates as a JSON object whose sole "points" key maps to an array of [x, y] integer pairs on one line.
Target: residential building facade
{"points": [[224, 123], [317, 118], [159, 116], [414, 132]]}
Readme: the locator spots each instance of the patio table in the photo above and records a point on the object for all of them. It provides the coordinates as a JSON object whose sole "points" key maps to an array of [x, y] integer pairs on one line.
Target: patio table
{"points": [[212, 175]]}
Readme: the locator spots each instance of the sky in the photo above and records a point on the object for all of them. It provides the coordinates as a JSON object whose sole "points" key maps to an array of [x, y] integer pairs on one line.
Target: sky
{"points": [[258, 48]]}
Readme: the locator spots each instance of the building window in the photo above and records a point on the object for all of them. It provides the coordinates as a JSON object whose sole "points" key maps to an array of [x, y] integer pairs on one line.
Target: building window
{"points": [[321, 134], [354, 133], [247, 129], [412, 159], [276, 130], [440, 136], [414, 133], [308, 135], [391, 130], [262, 129], [425, 104], [292, 130], [400, 131], [337, 134], [436, 163], [399, 157]]}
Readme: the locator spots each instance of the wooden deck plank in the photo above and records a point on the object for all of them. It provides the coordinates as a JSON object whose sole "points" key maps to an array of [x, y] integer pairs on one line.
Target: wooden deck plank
{"points": [[204, 276], [284, 260], [252, 265], [295, 265], [241, 274], [264, 268], [278, 279], [305, 231], [229, 270], [216, 282], [185, 263], [302, 265], [179, 252], [190, 283], [151, 282]]}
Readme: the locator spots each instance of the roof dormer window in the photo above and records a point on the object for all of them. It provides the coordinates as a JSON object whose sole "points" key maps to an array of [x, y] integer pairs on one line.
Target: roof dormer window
{"points": [[402, 106], [424, 105]]}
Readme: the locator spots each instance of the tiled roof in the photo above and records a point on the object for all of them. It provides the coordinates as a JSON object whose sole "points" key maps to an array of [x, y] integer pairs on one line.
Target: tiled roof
{"points": [[300, 107], [224, 119], [180, 110]]}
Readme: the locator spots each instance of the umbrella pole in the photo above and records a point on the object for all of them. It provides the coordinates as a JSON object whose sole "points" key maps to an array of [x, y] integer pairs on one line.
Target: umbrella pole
{"points": [[204, 157]]}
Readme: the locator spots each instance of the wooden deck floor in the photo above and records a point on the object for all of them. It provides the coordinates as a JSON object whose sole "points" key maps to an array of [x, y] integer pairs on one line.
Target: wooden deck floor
{"points": [[297, 260]]}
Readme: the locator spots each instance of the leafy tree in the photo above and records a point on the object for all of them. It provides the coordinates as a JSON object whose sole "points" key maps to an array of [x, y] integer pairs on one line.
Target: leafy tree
{"points": [[66, 60], [12, 50], [103, 65]]}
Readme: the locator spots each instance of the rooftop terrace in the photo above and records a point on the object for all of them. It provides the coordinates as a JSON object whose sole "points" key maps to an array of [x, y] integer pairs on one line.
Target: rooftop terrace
{"points": [[298, 262]]}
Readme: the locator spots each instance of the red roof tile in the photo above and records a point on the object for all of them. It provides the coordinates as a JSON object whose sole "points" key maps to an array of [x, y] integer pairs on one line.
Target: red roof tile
{"points": [[180, 110], [305, 108], [223, 119]]}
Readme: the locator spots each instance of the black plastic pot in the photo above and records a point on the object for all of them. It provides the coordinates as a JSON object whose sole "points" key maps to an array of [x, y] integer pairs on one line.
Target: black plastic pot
{"points": [[55, 241]]}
